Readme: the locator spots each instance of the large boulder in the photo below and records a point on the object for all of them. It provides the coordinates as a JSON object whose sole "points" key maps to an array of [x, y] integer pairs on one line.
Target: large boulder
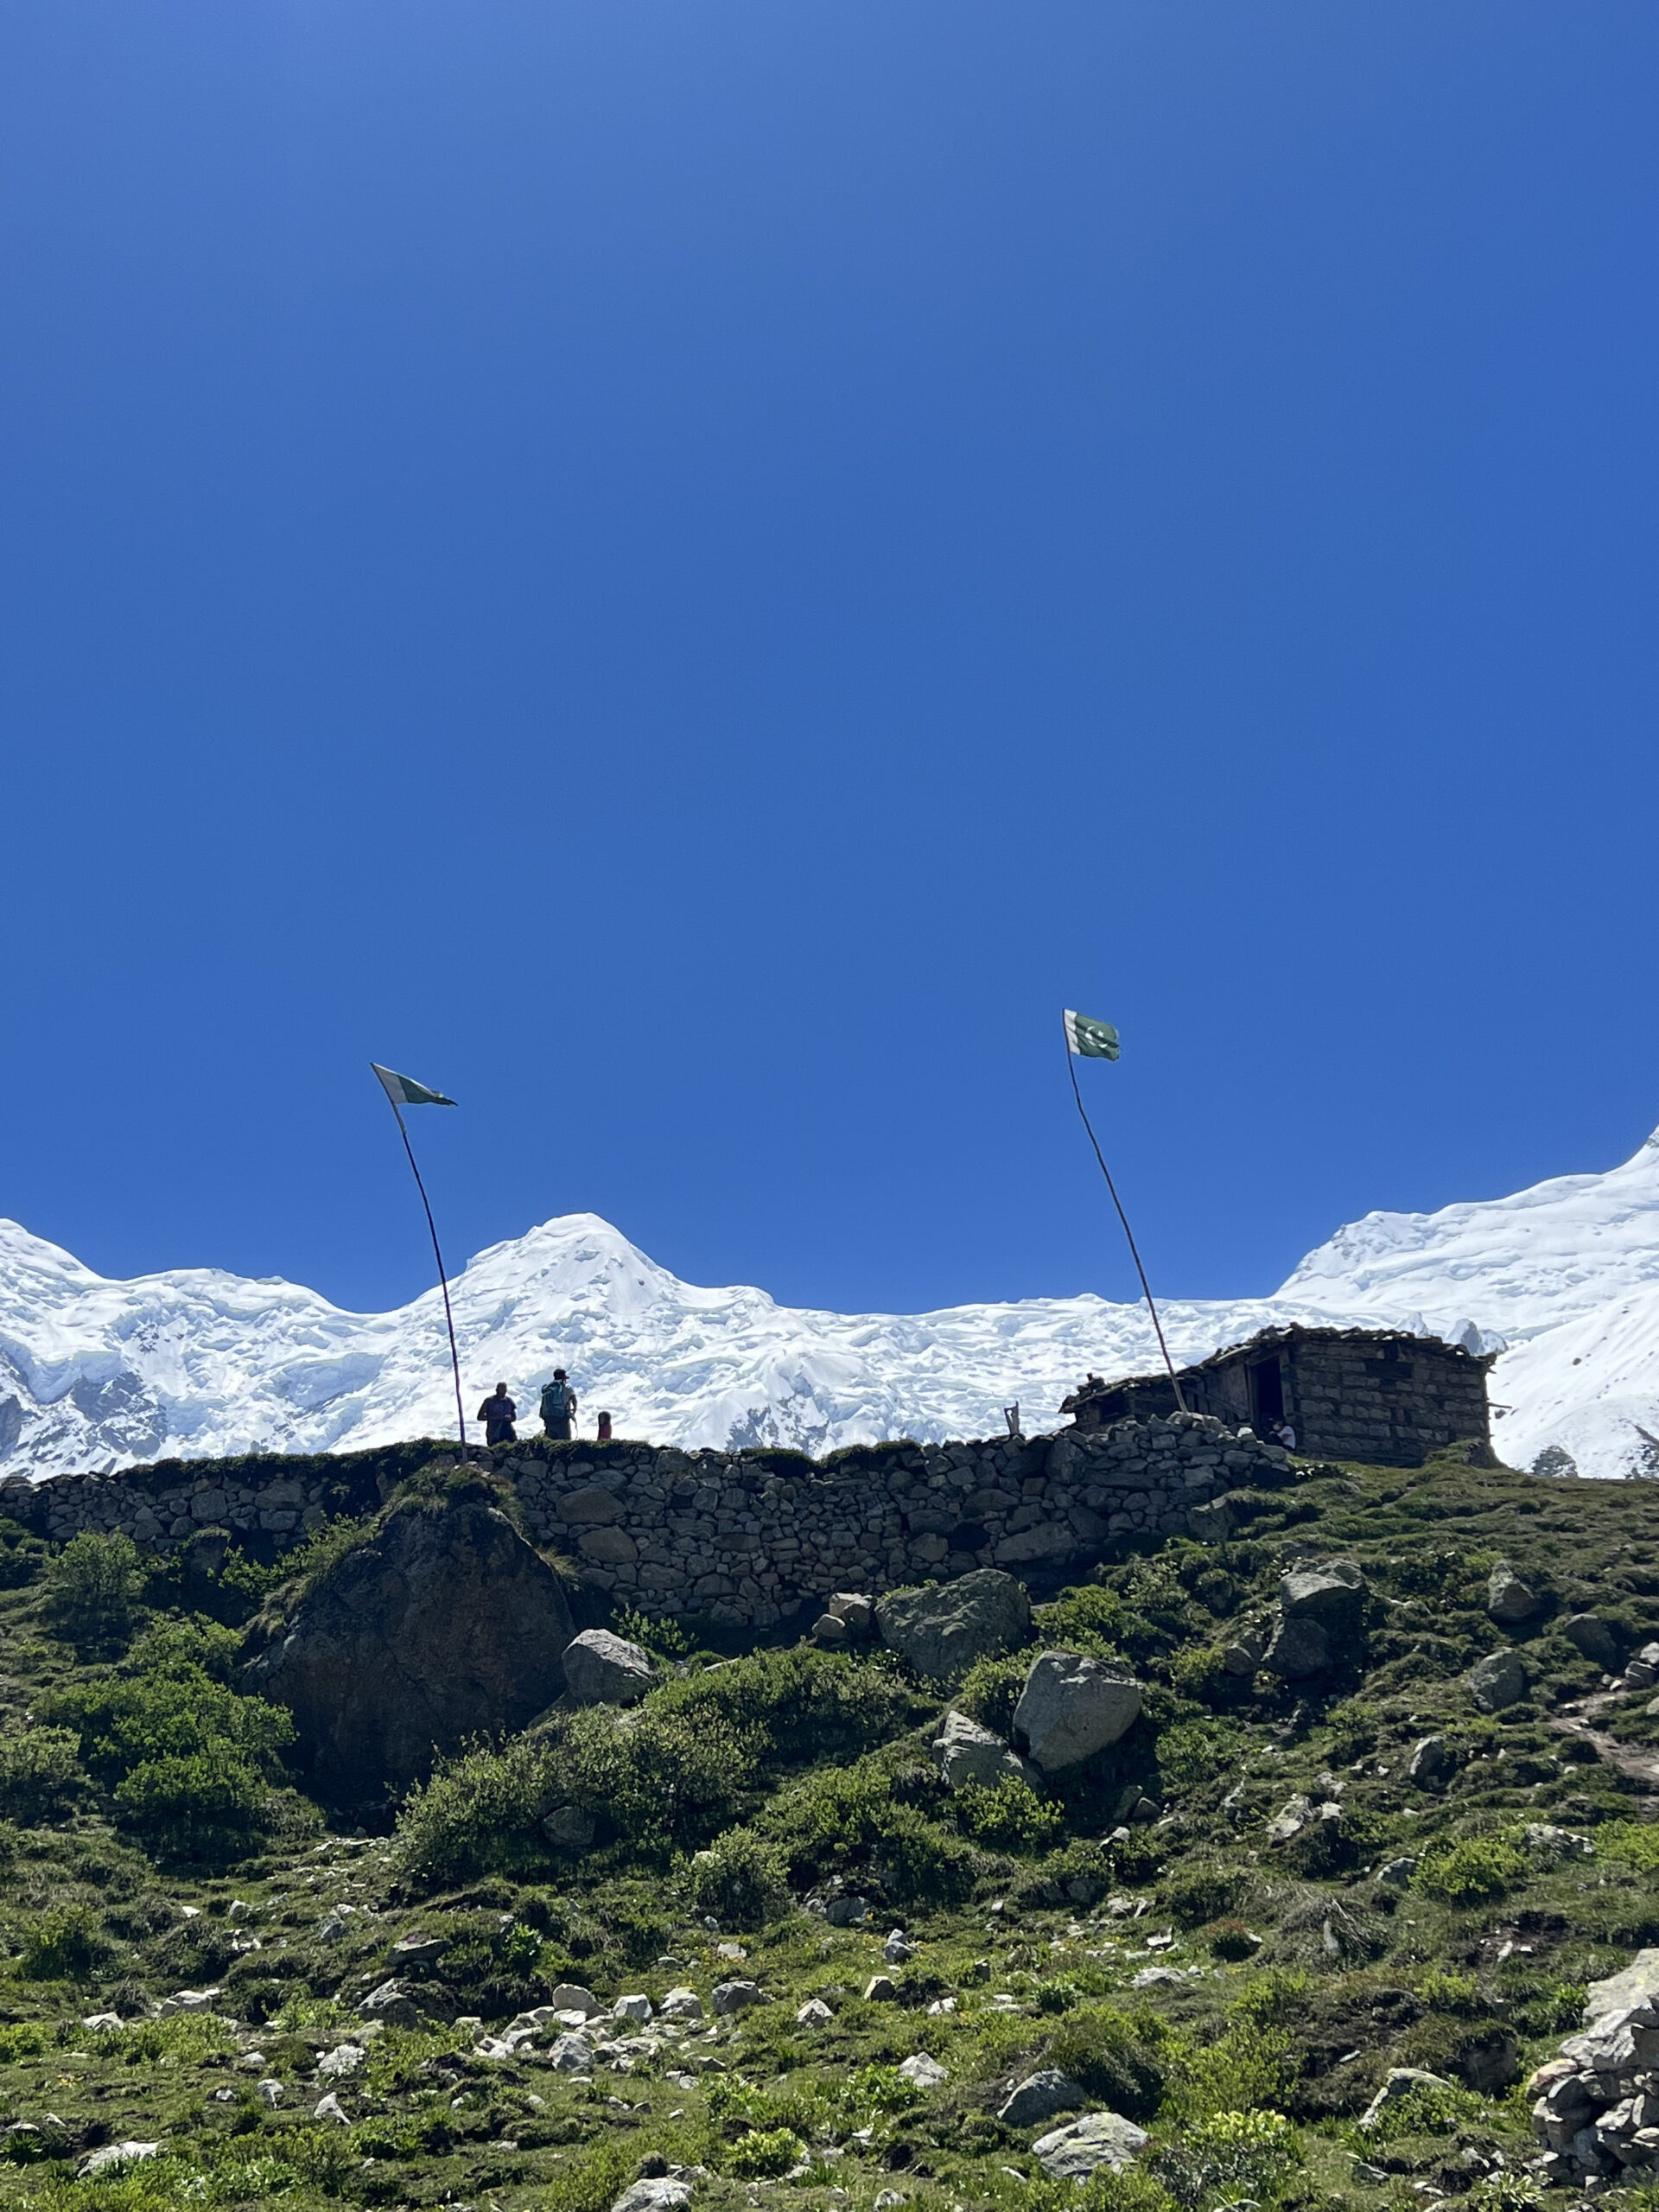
{"points": [[1332, 1594], [1498, 1680], [1433, 1764], [600, 1668], [1596, 1639], [1072, 1708], [1508, 1599], [940, 1632], [1100, 2138], [1298, 1646], [967, 1752], [442, 1625], [1040, 2096]]}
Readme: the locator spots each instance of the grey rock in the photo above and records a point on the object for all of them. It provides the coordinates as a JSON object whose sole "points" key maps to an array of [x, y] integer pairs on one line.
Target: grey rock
{"points": [[813, 2014], [567, 1827], [1547, 1842], [1298, 1646], [637, 2008], [573, 1996], [966, 1753], [881, 1989], [830, 1631], [940, 1632], [600, 1668], [590, 1508], [114, 2154], [735, 1996], [1072, 1706], [330, 2108], [1433, 1764], [392, 2003], [269, 2092], [1398, 1873], [419, 1951], [1329, 1593], [923, 2070], [571, 2054], [1399, 2080], [1290, 1819], [662, 2194], [438, 1627], [1243, 1655], [1508, 1599], [1081, 2148], [1595, 1638], [1498, 1680], [1040, 2096], [341, 2062], [855, 1611], [682, 2004], [1633, 1987]]}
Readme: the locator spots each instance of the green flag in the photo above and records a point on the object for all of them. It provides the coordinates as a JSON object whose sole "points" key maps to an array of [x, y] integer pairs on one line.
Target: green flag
{"points": [[1090, 1041], [404, 1091]]}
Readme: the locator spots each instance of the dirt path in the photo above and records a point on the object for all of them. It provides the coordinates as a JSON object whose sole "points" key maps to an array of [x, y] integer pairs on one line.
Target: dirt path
{"points": [[1639, 1761]]}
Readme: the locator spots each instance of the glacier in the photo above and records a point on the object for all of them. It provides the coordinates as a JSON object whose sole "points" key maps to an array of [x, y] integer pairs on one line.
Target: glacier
{"points": [[1562, 1280]]}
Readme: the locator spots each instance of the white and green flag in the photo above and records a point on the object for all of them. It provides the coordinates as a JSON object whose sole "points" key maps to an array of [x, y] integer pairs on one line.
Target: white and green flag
{"points": [[404, 1091], [1090, 1041]]}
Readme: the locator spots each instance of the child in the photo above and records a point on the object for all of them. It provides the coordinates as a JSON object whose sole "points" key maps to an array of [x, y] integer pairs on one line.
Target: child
{"points": [[604, 1428]]}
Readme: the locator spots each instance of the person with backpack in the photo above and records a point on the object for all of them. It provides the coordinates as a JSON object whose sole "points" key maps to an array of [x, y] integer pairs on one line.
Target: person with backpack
{"points": [[558, 1408]]}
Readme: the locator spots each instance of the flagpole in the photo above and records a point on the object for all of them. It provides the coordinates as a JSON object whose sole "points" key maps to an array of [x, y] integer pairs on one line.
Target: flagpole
{"points": [[1134, 1254], [443, 1284]]}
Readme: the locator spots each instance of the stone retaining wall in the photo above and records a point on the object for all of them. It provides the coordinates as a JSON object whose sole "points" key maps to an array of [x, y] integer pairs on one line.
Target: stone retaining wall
{"points": [[746, 1536]]}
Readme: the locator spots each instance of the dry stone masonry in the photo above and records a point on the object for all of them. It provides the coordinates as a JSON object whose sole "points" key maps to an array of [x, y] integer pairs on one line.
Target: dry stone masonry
{"points": [[747, 1537]]}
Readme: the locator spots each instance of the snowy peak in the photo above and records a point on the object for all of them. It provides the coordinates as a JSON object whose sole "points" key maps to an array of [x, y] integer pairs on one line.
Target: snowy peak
{"points": [[197, 1362]]}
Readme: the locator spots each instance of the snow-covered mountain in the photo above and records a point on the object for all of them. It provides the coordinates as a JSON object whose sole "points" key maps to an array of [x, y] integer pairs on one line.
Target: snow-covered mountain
{"points": [[194, 1363]]}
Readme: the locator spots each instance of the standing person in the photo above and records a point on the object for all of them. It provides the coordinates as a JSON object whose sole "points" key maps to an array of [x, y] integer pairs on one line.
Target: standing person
{"points": [[558, 1408], [604, 1428], [497, 1414]]}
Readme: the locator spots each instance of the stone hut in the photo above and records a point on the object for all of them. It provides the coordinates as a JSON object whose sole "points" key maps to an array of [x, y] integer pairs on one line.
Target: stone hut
{"points": [[1379, 1396]]}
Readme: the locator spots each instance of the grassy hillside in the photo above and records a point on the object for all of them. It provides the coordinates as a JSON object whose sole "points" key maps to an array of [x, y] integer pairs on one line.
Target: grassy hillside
{"points": [[1137, 1926]]}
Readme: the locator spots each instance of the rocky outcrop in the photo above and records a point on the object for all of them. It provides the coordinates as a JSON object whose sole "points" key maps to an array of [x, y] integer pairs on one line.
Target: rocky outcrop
{"points": [[966, 1753], [1319, 1617], [1595, 1638], [443, 1624], [1040, 2096], [940, 1632], [1596, 2110], [1072, 1708], [600, 1668], [1433, 1764]]}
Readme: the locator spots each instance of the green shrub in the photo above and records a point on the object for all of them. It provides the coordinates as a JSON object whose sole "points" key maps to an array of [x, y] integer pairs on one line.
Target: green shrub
{"points": [[1232, 2154], [1478, 1870], [1238, 2071], [764, 2153], [1210, 1889], [92, 1589], [1118, 2056], [839, 1820], [1274, 1998], [63, 1945], [797, 1704], [40, 1774], [1011, 1816], [1091, 1619], [1628, 1843], [199, 1757], [659, 1633], [1231, 1940], [478, 1812], [666, 1775], [990, 1690], [739, 1880], [1192, 1753], [1427, 2108]]}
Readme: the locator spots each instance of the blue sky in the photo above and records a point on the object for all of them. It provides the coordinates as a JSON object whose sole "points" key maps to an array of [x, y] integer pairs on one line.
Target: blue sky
{"points": [[690, 571]]}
